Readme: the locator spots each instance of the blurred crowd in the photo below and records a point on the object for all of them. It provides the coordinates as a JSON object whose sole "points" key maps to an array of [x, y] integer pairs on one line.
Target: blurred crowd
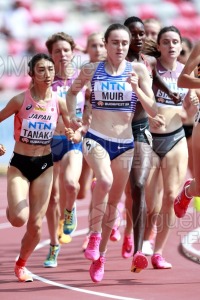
{"points": [[26, 24]]}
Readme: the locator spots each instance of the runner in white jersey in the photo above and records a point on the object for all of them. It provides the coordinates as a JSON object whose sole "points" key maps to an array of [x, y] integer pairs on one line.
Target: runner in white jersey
{"points": [[108, 144]]}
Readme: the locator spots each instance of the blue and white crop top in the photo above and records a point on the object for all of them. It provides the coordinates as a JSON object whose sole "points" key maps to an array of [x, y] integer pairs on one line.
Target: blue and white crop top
{"points": [[170, 78], [113, 93]]}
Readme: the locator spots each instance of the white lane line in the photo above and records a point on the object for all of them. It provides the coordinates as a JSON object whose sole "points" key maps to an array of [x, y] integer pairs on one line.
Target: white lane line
{"points": [[187, 245], [5, 225], [2, 212], [81, 290], [68, 287]]}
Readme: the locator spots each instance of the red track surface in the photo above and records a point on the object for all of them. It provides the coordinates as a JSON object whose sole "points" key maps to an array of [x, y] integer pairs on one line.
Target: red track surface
{"points": [[71, 280]]}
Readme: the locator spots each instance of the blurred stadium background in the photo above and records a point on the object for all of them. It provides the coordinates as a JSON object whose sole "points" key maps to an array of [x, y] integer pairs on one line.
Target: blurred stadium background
{"points": [[26, 24]]}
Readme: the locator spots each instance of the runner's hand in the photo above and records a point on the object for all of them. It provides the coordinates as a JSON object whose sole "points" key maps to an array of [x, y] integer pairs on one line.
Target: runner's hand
{"points": [[75, 123], [133, 80], [2, 150], [73, 136], [157, 122]]}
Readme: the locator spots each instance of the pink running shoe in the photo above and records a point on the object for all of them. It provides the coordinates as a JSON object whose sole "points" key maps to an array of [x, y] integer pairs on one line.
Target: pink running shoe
{"points": [[115, 235], [139, 262], [127, 247], [182, 202], [97, 269], [85, 243], [158, 262], [92, 250], [22, 274]]}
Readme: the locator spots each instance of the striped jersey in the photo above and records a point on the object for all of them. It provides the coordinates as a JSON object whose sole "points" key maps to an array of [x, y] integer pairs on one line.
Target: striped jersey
{"points": [[113, 93]]}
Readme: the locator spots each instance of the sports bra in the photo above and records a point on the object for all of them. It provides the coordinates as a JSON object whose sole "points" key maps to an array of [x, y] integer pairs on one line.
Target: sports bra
{"points": [[170, 78], [61, 87], [112, 93], [35, 123]]}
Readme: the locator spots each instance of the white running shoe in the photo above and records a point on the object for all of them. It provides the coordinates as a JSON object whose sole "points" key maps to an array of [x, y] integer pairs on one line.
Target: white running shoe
{"points": [[147, 248]]}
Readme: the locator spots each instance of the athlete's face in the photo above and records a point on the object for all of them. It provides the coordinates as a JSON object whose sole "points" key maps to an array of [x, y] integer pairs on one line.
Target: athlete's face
{"points": [[44, 72], [170, 45], [152, 30], [62, 54], [96, 49], [138, 36], [117, 45]]}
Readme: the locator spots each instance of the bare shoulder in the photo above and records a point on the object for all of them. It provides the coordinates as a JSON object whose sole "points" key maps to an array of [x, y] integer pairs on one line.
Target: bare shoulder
{"points": [[13, 106], [151, 60], [18, 99], [139, 67]]}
